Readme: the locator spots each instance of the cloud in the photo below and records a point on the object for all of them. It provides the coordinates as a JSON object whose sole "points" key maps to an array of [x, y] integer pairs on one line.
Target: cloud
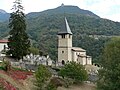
{"points": [[104, 8]]}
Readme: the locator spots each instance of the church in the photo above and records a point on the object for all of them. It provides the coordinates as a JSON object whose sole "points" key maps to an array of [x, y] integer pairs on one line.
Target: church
{"points": [[66, 52]]}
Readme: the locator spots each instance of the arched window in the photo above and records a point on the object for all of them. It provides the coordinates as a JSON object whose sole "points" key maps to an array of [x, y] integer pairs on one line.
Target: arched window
{"points": [[63, 62]]}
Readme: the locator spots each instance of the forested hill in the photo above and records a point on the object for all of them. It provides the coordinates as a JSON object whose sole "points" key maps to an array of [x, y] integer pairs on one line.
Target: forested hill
{"points": [[62, 10], [43, 27], [3, 15]]}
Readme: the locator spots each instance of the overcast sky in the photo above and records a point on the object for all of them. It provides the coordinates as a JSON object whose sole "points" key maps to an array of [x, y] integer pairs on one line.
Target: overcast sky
{"points": [[109, 9]]}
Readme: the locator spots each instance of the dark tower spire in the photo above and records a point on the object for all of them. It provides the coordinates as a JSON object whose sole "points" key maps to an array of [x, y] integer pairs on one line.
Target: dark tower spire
{"points": [[65, 29]]}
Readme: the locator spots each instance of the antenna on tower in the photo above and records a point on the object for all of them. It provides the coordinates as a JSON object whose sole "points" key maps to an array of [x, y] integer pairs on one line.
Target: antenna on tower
{"points": [[62, 4], [63, 7]]}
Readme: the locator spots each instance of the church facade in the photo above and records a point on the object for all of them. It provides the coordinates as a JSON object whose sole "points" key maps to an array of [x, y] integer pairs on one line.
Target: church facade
{"points": [[66, 52]]}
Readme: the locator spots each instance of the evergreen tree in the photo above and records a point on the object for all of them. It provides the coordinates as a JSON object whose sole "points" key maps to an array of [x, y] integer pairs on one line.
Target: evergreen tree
{"points": [[19, 42], [109, 75]]}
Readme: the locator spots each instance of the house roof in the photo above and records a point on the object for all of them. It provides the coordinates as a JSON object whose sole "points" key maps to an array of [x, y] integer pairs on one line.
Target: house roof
{"points": [[65, 29], [4, 41], [78, 49]]}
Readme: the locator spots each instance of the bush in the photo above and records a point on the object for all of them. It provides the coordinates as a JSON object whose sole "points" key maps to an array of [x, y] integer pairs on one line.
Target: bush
{"points": [[51, 87], [42, 76], [74, 71]]}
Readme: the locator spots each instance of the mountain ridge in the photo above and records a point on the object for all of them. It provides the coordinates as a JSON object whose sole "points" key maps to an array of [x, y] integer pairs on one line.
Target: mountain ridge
{"points": [[62, 10], [4, 16], [2, 11]]}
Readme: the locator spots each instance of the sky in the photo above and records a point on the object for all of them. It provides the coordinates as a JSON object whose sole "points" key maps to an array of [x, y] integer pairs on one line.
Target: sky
{"points": [[109, 9]]}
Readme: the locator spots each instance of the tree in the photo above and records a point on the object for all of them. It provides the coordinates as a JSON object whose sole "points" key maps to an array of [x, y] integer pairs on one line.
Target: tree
{"points": [[109, 75], [19, 42], [74, 71], [34, 50], [42, 76]]}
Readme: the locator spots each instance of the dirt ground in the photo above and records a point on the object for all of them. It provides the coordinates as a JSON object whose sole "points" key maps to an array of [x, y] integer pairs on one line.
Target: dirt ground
{"points": [[29, 83], [22, 84], [79, 87]]}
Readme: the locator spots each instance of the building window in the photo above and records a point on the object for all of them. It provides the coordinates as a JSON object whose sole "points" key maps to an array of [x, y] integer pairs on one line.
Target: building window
{"points": [[69, 35], [4, 47], [62, 51], [63, 36], [63, 62]]}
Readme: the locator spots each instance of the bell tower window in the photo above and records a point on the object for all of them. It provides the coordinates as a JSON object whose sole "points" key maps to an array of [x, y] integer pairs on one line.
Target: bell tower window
{"points": [[63, 36], [69, 35]]}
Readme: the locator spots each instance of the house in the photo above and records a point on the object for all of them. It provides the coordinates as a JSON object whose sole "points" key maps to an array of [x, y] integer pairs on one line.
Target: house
{"points": [[66, 52], [3, 46]]}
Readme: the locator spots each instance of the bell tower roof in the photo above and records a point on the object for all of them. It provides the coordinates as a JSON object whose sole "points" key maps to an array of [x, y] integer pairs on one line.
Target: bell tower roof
{"points": [[65, 29]]}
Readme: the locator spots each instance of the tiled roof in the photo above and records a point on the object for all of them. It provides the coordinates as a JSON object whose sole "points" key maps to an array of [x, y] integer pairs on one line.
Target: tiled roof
{"points": [[4, 41], [78, 49]]}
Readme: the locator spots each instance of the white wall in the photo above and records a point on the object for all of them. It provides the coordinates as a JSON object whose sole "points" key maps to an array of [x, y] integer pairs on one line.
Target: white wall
{"points": [[2, 46], [89, 60]]}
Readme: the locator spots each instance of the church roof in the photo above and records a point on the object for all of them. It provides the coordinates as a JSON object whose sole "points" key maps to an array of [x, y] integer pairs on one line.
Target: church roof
{"points": [[65, 29], [78, 49]]}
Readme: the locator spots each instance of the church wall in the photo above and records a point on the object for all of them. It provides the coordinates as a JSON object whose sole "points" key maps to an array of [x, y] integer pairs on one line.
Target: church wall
{"points": [[64, 48], [65, 42], [72, 55], [64, 54], [75, 55], [80, 60], [89, 60], [84, 60]]}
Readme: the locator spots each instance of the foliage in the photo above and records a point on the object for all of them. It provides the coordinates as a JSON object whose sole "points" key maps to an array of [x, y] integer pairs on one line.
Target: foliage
{"points": [[50, 86], [6, 65], [92, 46], [74, 71], [34, 50], [42, 76], [18, 69], [56, 82], [109, 74], [19, 43], [1, 87]]}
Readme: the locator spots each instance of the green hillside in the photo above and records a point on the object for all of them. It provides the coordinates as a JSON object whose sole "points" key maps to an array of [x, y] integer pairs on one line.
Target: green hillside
{"points": [[43, 27]]}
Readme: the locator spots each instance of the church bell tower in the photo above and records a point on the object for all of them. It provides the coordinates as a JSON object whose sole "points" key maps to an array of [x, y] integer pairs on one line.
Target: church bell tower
{"points": [[64, 43]]}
